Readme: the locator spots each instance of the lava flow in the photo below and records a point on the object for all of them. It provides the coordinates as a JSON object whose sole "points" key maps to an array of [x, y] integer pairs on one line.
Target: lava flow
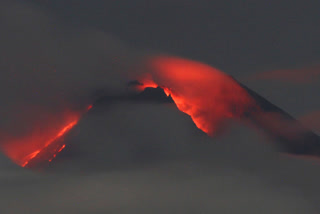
{"points": [[208, 95], [63, 131], [44, 143]]}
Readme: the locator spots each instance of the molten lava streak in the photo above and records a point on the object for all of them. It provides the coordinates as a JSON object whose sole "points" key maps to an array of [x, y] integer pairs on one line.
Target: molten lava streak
{"points": [[44, 143], [63, 131], [208, 95]]}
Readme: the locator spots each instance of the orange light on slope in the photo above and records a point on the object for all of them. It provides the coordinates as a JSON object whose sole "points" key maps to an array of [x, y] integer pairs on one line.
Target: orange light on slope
{"points": [[29, 157], [57, 152], [208, 95], [64, 130], [62, 147], [147, 83], [24, 149]]}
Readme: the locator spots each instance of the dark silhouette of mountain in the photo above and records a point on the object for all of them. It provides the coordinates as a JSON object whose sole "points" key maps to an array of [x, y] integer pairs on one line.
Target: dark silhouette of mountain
{"points": [[289, 135]]}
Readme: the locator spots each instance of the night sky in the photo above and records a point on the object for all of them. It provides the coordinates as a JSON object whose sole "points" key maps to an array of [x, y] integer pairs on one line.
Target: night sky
{"points": [[148, 157]]}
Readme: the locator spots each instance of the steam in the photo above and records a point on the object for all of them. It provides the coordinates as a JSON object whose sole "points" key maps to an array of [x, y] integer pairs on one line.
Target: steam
{"points": [[49, 74], [302, 75], [311, 120], [206, 94]]}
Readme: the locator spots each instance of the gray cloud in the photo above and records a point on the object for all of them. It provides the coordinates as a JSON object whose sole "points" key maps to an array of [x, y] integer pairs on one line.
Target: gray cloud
{"points": [[107, 167], [311, 120], [49, 69], [295, 76], [235, 173]]}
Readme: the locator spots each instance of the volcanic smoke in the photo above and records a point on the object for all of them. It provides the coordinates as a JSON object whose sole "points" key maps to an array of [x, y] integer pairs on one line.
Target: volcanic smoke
{"points": [[208, 95], [35, 145], [211, 97]]}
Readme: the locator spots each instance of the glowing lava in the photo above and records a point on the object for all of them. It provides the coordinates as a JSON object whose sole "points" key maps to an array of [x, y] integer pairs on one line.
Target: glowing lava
{"points": [[63, 131], [43, 144], [208, 95]]}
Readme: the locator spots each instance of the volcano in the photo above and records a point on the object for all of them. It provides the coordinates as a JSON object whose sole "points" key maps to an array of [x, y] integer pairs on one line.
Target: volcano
{"points": [[289, 134], [283, 129], [209, 96]]}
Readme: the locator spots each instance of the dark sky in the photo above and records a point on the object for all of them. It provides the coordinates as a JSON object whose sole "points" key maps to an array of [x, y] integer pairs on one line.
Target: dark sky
{"points": [[239, 37], [232, 35], [89, 42]]}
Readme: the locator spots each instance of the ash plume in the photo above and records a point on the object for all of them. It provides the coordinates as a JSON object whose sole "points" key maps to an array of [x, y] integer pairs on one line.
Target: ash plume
{"points": [[301, 75], [132, 152], [69, 68], [50, 72]]}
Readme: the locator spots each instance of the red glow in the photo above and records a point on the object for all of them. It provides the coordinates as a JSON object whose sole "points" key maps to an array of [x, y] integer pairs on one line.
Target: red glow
{"points": [[55, 154], [63, 131], [147, 83], [29, 157], [206, 94], [62, 147], [44, 139]]}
